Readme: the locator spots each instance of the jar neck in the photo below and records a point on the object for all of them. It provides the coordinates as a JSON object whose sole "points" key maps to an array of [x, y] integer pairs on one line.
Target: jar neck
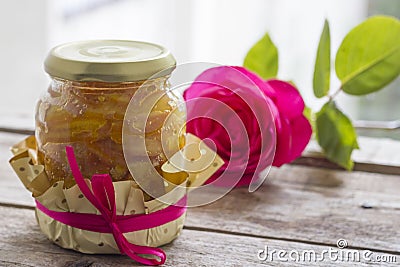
{"points": [[159, 82]]}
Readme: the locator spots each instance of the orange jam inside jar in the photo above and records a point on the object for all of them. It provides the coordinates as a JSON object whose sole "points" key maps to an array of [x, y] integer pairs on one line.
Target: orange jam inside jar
{"points": [[84, 107]]}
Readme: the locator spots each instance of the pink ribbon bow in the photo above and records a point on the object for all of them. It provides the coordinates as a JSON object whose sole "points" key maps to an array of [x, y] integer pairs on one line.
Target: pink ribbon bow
{"points": [[103, 198]]}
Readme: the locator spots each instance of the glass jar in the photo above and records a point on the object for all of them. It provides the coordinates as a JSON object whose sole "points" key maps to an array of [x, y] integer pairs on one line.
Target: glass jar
{"points": [[84, 107]]}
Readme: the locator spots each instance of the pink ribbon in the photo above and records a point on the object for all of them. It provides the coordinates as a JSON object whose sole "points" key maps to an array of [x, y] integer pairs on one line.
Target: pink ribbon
{"points": [[103, 198]]}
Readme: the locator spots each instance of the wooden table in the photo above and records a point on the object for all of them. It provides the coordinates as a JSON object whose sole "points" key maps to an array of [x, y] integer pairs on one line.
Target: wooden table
{"points": [[300, 208]]}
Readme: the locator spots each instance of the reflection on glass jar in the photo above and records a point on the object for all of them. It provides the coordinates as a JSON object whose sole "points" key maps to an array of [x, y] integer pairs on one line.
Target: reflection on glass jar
{"points": [[85, 106]]}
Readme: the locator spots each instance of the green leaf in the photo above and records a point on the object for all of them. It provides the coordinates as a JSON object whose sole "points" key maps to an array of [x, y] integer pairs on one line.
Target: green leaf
{"points": [[262, 58], [336, 135], [369, 56], [310, 115], [322, 70]]}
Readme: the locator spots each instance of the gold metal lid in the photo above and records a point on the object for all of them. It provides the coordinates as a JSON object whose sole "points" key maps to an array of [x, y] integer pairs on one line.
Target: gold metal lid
{"points": [[109, 61]]}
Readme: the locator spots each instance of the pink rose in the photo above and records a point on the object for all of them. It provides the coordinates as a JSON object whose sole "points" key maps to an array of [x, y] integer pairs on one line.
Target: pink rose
{"points": [[248, 119], [292, 127]]}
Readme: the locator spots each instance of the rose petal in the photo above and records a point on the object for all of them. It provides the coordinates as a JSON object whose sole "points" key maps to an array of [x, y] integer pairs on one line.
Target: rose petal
{"points": [[301, 134], [288, 99], [264, 87], [283, 144], [292, 140]]}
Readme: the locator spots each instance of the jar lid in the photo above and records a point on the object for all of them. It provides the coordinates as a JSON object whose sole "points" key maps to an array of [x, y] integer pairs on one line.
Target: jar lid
{"points": [[109, 61]]}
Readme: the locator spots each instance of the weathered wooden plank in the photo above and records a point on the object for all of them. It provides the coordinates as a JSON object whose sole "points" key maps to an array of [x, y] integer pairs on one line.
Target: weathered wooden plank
{"points": [[11, 190], [383, 151], [318, 160], [377, 155], [22, 244], [309, 204], [17, 123], [299, 203]]}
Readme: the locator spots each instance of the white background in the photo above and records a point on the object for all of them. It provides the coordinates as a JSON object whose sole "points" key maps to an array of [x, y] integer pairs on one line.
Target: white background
{"points": [[219, 31]]}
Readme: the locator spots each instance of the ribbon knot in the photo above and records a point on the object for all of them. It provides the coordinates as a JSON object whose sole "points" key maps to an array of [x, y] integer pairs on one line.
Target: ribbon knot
{"points": [[102, 197]]}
